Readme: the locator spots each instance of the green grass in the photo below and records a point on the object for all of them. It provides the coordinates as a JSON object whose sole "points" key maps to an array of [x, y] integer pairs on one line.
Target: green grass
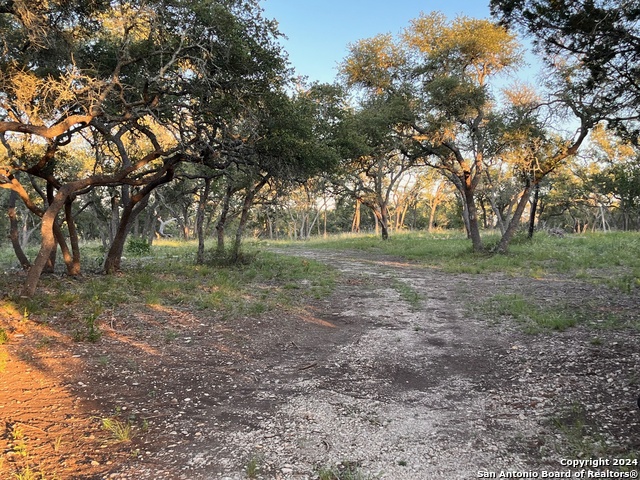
{"points": [[122, 431], [611, 258], [344, 471], [533, 318], [407, 293], [575, 438], [261, 282]]}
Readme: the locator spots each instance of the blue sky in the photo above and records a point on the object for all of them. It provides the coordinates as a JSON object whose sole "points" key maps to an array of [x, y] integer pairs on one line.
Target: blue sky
{"points": [[319, 31]]}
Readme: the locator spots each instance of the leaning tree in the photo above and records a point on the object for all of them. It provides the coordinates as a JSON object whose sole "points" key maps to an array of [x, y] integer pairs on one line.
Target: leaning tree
{"points": [[120, 76]]}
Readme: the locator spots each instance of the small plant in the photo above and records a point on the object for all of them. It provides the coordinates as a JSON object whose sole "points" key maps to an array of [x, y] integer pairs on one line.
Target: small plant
{"points": [[121, 431], [253, 467], [576, 438], [408, 294], [138, 247], [92, 332], [170, 336], [103, 361], [57, 444], [4, 357], [4, 336], [344, 471], [27, 473], [19, 442], [43, 343], [534, 319]]}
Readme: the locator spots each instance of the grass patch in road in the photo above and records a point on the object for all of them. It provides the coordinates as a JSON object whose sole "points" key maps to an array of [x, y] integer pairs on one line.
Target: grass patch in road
{"points": [[345, 470], [533, 319], [573, 437], [408, 294]]}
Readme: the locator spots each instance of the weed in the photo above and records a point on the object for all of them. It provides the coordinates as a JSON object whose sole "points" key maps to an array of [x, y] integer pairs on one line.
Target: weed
{"points": [[92, 332], [43, 342], [4, 336], [57, 444], [4, 357], [343, 471], [170, 336], [121, 431], [407, 293], [253, 467], [144, 427], [534, 319], [26, 473], [19, 442], [103, 361], [575, 438]]}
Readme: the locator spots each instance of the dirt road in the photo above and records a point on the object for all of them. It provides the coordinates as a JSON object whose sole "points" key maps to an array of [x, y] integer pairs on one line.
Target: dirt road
{"points": [[399, 374]]}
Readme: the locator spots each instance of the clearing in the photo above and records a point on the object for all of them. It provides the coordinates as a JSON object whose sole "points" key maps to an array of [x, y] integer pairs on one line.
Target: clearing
{"points": [[403, 372]]}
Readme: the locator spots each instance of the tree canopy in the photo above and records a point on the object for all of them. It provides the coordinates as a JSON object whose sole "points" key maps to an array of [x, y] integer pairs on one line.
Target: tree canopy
{"points": [[599, 40]]}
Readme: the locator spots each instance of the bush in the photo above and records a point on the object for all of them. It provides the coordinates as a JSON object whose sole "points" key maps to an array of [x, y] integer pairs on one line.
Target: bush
{"points": [[138, 247]]}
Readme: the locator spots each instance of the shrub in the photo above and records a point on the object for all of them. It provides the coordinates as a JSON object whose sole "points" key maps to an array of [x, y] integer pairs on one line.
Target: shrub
{"points": [[138, 247]]}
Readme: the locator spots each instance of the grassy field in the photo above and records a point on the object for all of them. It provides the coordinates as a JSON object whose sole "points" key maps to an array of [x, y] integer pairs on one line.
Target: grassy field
{"points": [[168, 275], [610, 258]]}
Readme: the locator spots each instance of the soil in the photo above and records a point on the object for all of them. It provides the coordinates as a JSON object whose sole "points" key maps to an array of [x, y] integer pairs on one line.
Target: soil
{"points": [[364, 381]]}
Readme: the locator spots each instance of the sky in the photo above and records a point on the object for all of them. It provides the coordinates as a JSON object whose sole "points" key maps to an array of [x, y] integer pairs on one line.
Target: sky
{"points": [[319, 31]]}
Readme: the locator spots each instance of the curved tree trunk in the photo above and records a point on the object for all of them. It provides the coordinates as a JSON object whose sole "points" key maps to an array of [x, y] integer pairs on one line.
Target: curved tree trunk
{"points": [[503, 246], [47, 245], [14, 234], [73, 238], [62, 243], [131, 210], [244, 216]]}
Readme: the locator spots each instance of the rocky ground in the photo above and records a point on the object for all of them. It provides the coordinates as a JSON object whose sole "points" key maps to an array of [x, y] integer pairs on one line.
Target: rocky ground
{"points": [[402, 373]]}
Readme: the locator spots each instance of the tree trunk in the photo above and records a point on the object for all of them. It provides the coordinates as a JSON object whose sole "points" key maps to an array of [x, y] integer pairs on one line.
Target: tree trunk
{"points": [[131, 210], [115, 216], [200, 214], [355, 224], [384, 222], [74, 268], [62, 243], [47, 245], [534, 207], [503, 246], [14, 234], [134, 205], [222, 221], [474, 229], [498, 214], [244, 216]]}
